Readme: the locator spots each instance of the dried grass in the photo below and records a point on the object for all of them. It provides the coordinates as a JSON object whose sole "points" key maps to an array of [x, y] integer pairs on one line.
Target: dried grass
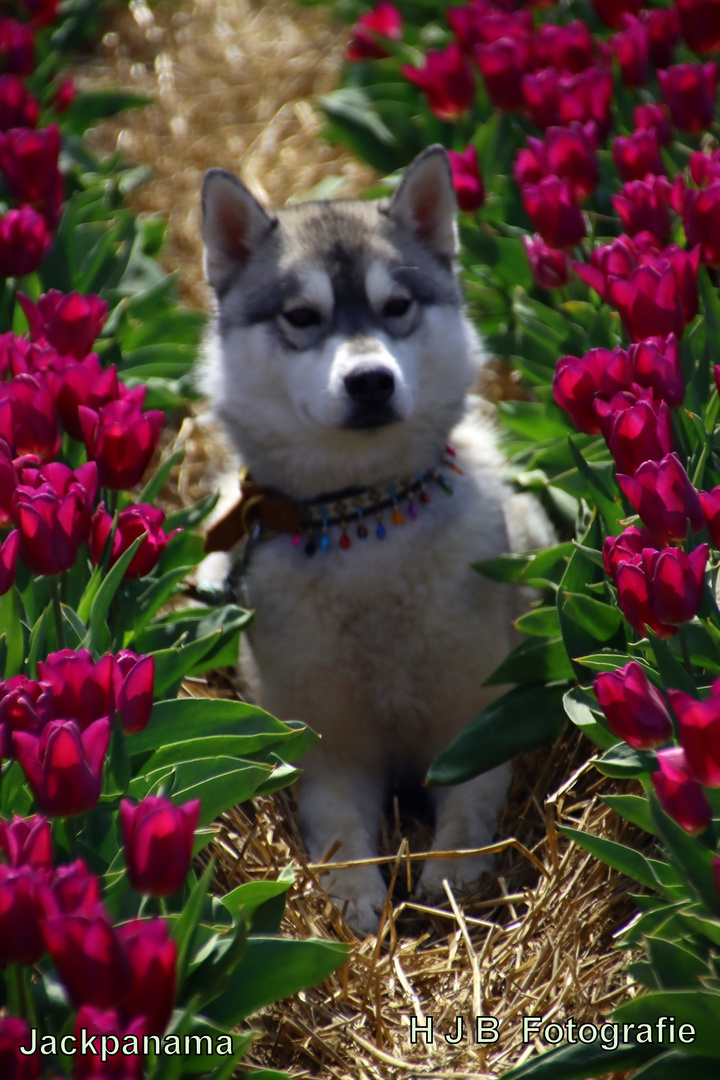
{"points": [[234, 81]]}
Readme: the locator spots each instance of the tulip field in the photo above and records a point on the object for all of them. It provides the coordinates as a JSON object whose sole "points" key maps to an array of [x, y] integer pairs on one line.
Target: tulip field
{"points": [[583, 138], [115, 958]]}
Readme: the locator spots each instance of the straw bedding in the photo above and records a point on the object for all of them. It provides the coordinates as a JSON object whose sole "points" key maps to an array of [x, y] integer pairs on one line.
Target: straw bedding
{"points": [[233, 82]]}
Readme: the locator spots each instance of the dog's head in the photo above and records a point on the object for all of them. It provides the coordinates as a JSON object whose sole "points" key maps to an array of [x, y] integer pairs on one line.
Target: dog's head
{"points": [[342, 355]]}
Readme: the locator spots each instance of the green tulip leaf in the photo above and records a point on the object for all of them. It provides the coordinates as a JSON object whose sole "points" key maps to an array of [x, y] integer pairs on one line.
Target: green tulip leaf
{"points": [[520, 720], [272, 969]]}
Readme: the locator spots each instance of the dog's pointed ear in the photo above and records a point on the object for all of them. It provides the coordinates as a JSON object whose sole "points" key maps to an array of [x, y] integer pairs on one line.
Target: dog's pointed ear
{"points": [[425, 202], [233, 224]]}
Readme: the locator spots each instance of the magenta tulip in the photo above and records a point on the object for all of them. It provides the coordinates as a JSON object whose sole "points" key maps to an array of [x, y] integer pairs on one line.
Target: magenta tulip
{"points": [[550, 267], [80, 689], [69, 322], [700, 24], [663, 31], [158, 841], [121, 439], [133, 679], [656, 364], [21, 914], [64, 765], [385, 20], [15, 1033], [643, 206], [446, 79], [27, 842], [689, 91], [580, 380], [89, 957], [467, 181], [635, 429], [700, 733], [152, 957], [634, 708], [664, 498], [681, 797]]}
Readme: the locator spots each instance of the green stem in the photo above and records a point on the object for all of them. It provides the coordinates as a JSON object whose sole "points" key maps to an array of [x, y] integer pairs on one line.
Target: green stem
{"points": [[17, 991], [685, 650], [57, 612]]}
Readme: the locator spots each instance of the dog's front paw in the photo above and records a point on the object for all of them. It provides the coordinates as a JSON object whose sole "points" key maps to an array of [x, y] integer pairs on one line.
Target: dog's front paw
{"points": [[463, 876], [361, 893]]}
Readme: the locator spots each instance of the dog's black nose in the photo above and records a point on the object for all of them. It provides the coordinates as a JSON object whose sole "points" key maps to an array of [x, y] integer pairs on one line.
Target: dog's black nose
{"points": [[372, 388]]}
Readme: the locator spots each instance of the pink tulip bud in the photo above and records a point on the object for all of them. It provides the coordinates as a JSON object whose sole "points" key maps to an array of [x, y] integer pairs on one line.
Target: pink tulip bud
{"points": [[700, 24], [663, 30], [121, 439], [18, 108], [643, 206], [678, 581], [701, 218], [89, 957], [634, 708], [568, 49], [29, 161], [75, 891], [69, 322], [638, 154], [502, 64], [656, 365], [580, 380], [64, 765], [631, 47], [551, 268], [627, 547], [467, 181], [680, 796], [115, 1063], [700, 733], [158, 840], [21, 913], [587, 96], [64, 95], [554, 211], [17, 47], [689, 91], [384, 19], [133, 678], [152, 956], [28, 417], [649, 301], [73, 384], [15, 1033], [612, 12], [635, 429], [139, 520], [27, 842], [52, 510], [446, 79], [540, 93], [80, 689], [664, 498]]}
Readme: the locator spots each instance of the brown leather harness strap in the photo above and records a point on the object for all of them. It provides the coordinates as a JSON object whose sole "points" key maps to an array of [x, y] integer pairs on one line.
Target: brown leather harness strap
{"points": [[256, 506]]}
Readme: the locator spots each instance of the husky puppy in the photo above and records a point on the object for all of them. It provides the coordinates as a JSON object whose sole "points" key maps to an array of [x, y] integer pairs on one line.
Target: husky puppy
{"points": [[340, 365]]}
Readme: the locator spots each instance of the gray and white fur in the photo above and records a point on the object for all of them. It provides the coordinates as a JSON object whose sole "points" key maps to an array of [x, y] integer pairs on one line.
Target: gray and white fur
{"points": [[341, 357]]}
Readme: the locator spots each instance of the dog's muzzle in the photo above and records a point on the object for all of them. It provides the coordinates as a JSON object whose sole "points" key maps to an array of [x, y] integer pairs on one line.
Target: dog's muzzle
{"points": [[371, 392]]}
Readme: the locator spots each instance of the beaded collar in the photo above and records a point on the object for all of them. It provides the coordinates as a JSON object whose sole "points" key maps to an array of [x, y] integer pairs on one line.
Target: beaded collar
{"points": [[264, 512]]}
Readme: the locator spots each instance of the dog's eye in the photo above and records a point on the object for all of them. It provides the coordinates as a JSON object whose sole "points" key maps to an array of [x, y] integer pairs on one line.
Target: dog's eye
{"points": [[396, 307], [302, 317]]}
